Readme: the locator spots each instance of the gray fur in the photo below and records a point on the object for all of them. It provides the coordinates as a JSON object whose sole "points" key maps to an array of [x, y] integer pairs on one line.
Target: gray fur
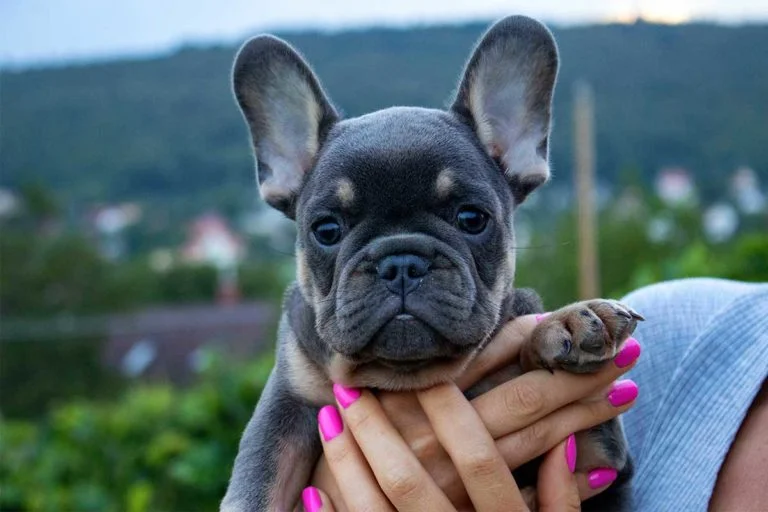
{"points": [[382, 178]]}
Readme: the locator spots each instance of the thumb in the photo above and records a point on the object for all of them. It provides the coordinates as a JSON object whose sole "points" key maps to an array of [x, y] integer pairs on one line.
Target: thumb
{"points": [[557, 487]]}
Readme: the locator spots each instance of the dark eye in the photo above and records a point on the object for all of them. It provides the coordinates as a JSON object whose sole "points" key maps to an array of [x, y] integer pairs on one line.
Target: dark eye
{"points": [[327, 231], [471, 220]]}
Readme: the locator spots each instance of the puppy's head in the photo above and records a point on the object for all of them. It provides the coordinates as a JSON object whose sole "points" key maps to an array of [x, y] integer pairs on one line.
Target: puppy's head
{"points": [[405, 243]]}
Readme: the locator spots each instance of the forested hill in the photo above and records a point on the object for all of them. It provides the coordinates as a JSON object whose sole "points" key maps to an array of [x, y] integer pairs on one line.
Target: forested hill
{"points": [[167, 127]]}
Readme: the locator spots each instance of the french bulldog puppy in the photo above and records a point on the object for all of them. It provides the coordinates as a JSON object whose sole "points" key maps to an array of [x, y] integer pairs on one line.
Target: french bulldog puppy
{"points": [[405, 248]]}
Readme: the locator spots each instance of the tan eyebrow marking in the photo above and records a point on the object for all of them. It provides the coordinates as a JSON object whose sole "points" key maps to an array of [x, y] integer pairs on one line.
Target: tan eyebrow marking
{"points": [[345, 192], [445, 183]]}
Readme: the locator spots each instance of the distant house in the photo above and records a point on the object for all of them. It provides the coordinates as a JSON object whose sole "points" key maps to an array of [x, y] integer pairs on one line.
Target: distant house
{"points": [[720, 222], [745, 189], [9, 203], [674, 186], [166, 343], [109, 223], [211, 241]]}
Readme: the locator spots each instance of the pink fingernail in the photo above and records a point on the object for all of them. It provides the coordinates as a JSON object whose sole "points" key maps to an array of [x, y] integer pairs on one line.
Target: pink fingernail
{"points": [[601, 477], [628, 354], [345, 396], [570, 453], [541, 316], [622, 392], [330, 422], [311, 499]]}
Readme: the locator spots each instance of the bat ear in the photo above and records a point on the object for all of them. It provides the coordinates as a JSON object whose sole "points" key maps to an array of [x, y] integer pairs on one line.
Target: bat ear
{"points": [[506, 95], [288, 115]]}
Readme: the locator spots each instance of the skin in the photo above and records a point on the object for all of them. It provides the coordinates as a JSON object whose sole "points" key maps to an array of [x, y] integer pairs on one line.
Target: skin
{"points": [[741, 482], [515, 422]]}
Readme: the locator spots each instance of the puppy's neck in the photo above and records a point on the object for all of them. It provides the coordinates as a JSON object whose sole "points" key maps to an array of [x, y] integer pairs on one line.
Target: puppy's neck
{"points": [[301, 319], [301, 351]]}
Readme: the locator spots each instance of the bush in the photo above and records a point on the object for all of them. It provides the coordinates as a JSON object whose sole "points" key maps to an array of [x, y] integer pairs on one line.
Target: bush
{"points": [[156, 448], [743, 259], [44, 372]]}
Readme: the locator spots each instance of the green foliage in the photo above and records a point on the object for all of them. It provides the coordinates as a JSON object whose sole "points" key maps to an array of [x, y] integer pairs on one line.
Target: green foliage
{"points": [[155, 449], [744, 259], [629, 258], [64, 274], [266, 280], [187, 283], [61, 274], [39, 202], [60, 277], [167, 131], [749, 259], [39, 373]]}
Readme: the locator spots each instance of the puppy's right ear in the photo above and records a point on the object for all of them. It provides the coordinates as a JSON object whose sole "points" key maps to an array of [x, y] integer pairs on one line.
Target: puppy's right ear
{"points": [[506, 95], [288, 115]]}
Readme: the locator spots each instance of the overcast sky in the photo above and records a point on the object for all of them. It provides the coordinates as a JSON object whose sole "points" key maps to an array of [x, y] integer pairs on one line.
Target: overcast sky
{"points": [[34, 31]]}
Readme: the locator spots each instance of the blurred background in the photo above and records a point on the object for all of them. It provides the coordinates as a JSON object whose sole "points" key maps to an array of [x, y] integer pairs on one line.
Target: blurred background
{"points": [[140, 275]]}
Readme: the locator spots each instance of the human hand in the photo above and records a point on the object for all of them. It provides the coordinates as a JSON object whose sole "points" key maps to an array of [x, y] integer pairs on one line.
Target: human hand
{"points": [[378, 471], [526, 416]]}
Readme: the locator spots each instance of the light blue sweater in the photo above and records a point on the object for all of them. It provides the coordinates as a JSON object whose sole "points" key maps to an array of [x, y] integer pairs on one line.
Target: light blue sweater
{"points": [[705, 357]]}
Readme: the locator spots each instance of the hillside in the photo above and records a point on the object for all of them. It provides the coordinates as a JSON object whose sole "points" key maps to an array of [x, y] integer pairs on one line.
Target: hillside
{"points": [[166, 129]]}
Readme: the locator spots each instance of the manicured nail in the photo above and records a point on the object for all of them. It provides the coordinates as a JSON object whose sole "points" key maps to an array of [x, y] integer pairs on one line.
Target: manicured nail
{"points": [[541, 316], [312, 500], [570, 453], [345, 396], [601, 477], [629, 352], [622, 392], [330, 422]]}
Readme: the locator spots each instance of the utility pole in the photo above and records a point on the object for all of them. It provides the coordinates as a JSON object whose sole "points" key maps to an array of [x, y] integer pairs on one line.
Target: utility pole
{"points": [[584, 156]]}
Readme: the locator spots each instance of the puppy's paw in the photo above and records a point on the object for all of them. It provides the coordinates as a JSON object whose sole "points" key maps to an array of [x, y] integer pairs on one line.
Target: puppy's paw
{"points": [[581, 337]]}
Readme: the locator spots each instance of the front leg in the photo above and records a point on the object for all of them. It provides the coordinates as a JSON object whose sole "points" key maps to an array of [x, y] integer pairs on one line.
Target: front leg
{"points": [[582, 338], [278, 451]]}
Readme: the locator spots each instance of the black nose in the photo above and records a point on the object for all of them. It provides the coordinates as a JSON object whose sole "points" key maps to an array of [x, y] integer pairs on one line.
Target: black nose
{"points": [[402, 273]]}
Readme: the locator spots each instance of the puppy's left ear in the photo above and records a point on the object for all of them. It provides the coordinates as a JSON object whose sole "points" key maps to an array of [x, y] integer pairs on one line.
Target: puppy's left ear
{"points": [[506, 95], [287, 112]]}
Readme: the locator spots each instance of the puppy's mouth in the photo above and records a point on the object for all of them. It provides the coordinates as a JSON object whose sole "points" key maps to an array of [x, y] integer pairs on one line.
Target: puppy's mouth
{"points": [[407, 344], [404, 354], [410, 365]]}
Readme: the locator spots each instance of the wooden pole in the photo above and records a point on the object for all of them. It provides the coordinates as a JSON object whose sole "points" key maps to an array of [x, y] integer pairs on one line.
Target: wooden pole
{"points": [[584, 155]]}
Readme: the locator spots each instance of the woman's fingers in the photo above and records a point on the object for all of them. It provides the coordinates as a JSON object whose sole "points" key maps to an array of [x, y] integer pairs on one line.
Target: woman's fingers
{"points": [[396, 469], [528, 443], [533, 395], [356, 483], [461, 432], [596, 481], [315, 500], [558, 490], [504, 349]]}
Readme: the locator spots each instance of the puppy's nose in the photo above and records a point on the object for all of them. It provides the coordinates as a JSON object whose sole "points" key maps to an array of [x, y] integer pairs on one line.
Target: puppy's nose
{"points": [[402, 273]]}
